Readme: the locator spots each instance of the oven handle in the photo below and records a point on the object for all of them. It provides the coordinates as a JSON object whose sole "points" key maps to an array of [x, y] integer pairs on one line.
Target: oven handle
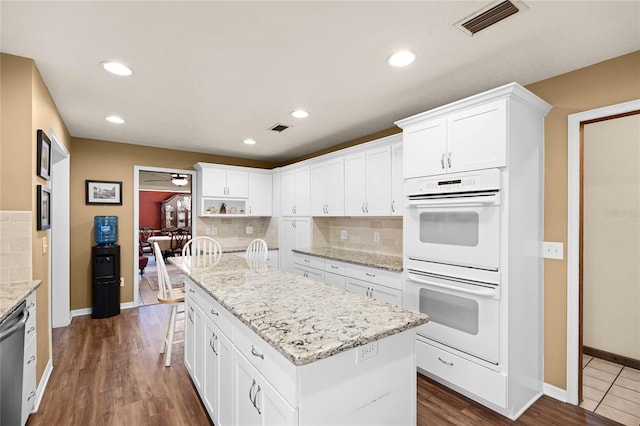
{"points": [[483, 293], [480, 200]]}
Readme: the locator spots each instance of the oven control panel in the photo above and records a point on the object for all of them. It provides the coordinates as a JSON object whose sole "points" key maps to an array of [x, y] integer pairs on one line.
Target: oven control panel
{"points": [[480, 180]]}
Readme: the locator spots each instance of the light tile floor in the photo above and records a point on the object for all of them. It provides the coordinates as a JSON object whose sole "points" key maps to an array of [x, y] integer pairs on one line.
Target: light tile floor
{"points": [[611, 390], [147, 296]]}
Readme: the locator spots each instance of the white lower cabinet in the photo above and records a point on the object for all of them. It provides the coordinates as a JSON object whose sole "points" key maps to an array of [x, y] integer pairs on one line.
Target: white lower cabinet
{"points": [[374, 290], [255, 400], [30, 360], [217, 372], [335, 280]]}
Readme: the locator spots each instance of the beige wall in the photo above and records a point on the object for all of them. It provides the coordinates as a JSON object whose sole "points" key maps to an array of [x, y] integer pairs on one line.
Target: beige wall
{"points": [[607, 83], [92, 159], [26, 107], [611, 277]]}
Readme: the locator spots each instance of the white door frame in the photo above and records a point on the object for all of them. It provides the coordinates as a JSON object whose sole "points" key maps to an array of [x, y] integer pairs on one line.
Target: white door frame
{"points": [[59, 252], [136, 212], [573, 237]]}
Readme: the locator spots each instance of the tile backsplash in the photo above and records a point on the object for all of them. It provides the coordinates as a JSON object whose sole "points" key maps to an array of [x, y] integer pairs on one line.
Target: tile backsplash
{"points": [[15, 246], [360, 233], [232, 231]]}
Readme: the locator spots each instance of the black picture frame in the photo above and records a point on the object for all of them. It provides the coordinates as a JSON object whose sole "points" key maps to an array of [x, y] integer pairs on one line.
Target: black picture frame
{"points": [[44, 155], [43, 196], [103, 192]]}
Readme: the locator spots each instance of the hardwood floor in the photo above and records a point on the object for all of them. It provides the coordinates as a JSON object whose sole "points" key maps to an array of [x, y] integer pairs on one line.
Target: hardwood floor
{"points": [[109, 372]]}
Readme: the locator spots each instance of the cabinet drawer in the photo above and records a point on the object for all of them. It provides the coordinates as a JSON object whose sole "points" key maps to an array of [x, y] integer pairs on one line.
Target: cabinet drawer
{"points": [[335, 267], [374, 275], [308, 261], [335, 280], [314, 274], [279, 371], [476, 379], [29, 380], [211, 308]]}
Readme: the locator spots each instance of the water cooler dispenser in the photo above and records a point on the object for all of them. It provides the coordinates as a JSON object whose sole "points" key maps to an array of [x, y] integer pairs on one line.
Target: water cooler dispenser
{"points": [[105, 257]]}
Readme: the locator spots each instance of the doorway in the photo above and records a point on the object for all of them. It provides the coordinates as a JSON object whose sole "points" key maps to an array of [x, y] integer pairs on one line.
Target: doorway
{"points": [[158, 187], [574, 240]]}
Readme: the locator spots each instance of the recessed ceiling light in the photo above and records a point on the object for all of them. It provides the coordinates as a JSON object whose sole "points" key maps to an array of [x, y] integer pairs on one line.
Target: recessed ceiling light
{"points": [[249, 141], [401, 58], [300, 113], [114, 119], [117, 68]]}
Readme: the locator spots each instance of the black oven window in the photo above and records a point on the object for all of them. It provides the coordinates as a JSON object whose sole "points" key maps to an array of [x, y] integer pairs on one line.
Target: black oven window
{"points": [[450, 228]]}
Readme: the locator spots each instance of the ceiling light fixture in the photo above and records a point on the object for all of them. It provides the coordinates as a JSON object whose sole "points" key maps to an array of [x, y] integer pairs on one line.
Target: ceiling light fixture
{"points": [[249, 142], [114, 119], [117, 68], [179, 180], [401, 58], [299, 113]]}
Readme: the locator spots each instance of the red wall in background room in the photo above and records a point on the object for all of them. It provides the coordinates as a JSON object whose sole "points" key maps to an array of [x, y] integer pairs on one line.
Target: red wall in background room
{"points": [[149, 205]]}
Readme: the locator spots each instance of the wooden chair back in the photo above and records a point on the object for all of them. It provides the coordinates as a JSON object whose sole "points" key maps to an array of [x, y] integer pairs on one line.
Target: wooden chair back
{"points": [[179, 238], [257, 250]]}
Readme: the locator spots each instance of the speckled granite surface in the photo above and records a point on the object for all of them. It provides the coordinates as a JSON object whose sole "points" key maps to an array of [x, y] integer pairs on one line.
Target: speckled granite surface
{"points": [[240, 249], [12, 294], [303, 319], [375, 260]]}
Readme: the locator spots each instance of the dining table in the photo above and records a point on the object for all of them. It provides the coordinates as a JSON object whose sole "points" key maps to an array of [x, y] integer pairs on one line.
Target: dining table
{"points": [[164, 242]]}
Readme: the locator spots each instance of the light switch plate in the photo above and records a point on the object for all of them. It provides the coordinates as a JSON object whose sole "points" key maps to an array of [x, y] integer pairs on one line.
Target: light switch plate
{"points": [[553, 250], [343, 235], [249, 229], [376, 237]]}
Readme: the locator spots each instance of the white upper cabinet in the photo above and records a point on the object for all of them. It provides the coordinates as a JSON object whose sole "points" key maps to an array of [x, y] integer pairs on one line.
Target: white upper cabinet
{"points": [[295, 191], [367, 179], [327, 188], [221, 182], [471, 139], [260, 194], [397, 180]]}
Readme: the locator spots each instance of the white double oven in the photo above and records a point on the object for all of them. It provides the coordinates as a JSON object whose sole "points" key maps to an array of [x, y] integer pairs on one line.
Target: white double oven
{"points": [[453, 237]]}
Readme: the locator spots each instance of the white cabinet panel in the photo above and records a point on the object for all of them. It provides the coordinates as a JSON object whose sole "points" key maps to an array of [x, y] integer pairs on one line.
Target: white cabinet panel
{"points": [[237, 184], [217, 377], [296, 233], [214, 182], [295, 187], [260, 194], [425, 147], [327, 188], [335, 280], [397, 180], [368, 183], [376, 291]]}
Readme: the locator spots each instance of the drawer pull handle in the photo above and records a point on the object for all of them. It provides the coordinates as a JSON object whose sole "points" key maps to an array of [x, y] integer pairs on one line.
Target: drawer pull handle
{"points": [[307, 260], [250, 390], [450, 364], [191, 290], [212, 343], [33, 358], [335, 267], [31, 305], [255, 400], [32, 394], [254, 352], [214, 312], [32, 328], [370, 275]]}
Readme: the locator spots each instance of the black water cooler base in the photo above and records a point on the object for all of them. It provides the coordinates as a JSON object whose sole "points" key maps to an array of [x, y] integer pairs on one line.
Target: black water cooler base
{"points": [[106, 299]]}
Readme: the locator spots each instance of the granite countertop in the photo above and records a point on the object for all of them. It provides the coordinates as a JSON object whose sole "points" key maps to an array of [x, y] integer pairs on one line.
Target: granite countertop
{"points": [[240, 249], [374, 260], [303, 319], [13, 294]]}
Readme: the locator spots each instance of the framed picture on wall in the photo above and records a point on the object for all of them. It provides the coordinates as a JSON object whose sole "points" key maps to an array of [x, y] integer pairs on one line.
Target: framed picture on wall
{"points": [[44, 207], [103, 192], [44, 155]]}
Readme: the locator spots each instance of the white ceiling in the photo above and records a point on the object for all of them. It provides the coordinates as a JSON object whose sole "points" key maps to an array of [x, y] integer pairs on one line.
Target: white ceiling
{"points": [[209, 74]]}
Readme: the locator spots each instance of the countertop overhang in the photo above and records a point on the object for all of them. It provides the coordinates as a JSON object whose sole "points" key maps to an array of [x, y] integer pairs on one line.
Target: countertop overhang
{"points": [[303, 319], [12, 294], [374, 260]]}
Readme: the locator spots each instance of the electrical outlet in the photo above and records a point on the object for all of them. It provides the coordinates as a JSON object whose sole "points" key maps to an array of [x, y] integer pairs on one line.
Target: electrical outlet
{"points": [[214, 230], [376, 237], [366, 352], [343, 235], [207, 230], [552, 250], [249, 229], [121, 281]]}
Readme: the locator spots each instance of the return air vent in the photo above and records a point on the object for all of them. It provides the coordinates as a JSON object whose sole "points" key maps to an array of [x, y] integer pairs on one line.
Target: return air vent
{"points": [[492, 14], [279, 128]]}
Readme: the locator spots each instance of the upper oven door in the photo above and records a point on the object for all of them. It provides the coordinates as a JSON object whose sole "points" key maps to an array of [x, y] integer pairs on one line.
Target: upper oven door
{"points": [[456, 231]]}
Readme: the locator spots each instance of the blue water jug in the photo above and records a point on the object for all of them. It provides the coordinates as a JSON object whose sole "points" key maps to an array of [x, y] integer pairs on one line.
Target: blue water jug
{"points": [[105, 229]]}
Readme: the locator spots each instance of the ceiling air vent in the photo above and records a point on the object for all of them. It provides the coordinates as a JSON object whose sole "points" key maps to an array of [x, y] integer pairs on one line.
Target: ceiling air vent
{"points": [[492, 14], [279, 128]]}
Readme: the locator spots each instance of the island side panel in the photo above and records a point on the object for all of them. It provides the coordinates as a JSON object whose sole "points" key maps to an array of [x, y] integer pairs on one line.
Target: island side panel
{"points": [[349, 389]]}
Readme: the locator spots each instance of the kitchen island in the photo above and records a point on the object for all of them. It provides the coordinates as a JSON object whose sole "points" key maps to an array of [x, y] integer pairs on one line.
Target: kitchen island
{"points": [[264, 346]]}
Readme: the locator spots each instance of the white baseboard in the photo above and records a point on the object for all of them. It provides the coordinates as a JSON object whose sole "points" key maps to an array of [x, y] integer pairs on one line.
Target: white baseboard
{"points": [[87, 311], [555, 392], [42, 385]]}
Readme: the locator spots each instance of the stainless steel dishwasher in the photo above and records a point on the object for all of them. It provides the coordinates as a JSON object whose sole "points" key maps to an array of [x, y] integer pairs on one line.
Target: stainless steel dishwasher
{"points": [[11, 365]]}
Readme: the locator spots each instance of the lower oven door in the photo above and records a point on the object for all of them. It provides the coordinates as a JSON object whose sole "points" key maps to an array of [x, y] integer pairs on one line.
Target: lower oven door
{"points": [[464, 316]]}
